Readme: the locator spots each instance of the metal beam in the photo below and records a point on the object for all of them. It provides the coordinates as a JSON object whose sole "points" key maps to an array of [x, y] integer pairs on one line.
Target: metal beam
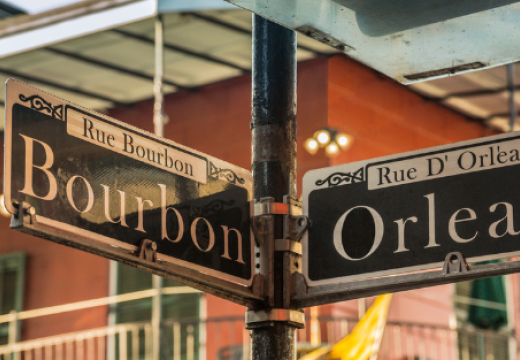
{"points": [[118, 68], [26, 32], [183, 50], [504, 114], [245, 31], [71, 89], [464, 94]]}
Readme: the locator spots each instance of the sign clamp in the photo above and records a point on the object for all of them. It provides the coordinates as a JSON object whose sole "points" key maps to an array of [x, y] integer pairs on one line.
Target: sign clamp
{"points": [[294, 317], [294, 227], [295, 224], [455, 264], [148, 250]]}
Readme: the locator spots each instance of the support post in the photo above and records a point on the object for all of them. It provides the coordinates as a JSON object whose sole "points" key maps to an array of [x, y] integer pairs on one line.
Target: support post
{"points": [[511, 86], [273, 128], [157, 317], [159, 118]]}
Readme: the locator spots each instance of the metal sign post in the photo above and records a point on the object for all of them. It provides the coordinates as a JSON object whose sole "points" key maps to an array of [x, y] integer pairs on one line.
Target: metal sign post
{"points": [[273, 327]]}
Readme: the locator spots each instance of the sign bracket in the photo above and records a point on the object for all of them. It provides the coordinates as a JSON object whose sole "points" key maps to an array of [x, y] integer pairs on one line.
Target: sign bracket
{"points": [[142, 259], [455, 264], [295, 317], [294, 227], [148, 250], [262, 226]]}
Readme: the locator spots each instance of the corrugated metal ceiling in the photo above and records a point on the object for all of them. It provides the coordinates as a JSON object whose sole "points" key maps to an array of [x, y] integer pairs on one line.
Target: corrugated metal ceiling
{"points": [[115, 67]]}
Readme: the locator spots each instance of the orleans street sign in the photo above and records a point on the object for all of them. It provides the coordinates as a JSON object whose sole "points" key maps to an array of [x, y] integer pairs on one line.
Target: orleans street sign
{"points": [[91, 177], [406, 212]]}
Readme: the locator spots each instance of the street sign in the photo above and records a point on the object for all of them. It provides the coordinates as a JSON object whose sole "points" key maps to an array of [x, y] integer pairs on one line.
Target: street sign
{"points": [[408, 40], [106, 187], [407, 212]]}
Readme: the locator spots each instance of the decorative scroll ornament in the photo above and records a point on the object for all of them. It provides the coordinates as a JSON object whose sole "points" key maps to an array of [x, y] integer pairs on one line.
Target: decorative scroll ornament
{"points": [[340, 178], [39, 104], [224, 174], [211, 208]]}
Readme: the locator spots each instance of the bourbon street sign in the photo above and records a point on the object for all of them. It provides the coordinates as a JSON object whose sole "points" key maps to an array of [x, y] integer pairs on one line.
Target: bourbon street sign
{"points": [[116, 190], [407, 212]]}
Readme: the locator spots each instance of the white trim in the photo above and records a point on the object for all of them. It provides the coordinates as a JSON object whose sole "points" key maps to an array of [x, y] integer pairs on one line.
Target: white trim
{"points": [[80, 305], [74, 26], [193, 5]]}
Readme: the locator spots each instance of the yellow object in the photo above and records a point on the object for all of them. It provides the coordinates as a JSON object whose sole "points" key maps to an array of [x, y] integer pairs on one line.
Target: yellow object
{"points": [[317, 354], [365, 338]]}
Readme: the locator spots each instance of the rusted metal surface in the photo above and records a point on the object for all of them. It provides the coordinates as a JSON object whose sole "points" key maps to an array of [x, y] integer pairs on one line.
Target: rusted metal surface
{"points": [[274, 175], [277, 341]]}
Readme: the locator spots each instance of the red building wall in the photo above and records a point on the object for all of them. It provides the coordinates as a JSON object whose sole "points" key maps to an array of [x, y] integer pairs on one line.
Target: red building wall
{"points": [[385, 117]]}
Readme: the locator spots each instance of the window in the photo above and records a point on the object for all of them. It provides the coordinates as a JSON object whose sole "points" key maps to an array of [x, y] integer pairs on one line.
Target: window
{"points": [[12, 268], [481, 312], [180, 308]]}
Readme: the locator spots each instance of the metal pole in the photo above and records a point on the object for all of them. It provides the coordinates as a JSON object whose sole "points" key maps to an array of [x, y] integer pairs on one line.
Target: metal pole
{"points": [[159, 121], [158, 106], [511, 85], [274, 165], [511, 318], [112, 308], [156, 317]]}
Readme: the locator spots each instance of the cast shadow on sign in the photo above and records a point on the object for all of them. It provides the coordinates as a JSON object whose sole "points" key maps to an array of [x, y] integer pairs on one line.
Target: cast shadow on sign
{"points": [[382, 17]]}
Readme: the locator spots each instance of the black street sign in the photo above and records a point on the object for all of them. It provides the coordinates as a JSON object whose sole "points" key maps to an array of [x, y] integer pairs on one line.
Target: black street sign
{"points": [[117, 190], [406, 212]]}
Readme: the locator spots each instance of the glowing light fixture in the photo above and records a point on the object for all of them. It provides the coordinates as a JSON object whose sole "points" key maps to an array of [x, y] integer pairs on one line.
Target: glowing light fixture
{"points": [[332, 148], [322, 136], [312, 145], [3, 210], [330, 139], [342, 140]]}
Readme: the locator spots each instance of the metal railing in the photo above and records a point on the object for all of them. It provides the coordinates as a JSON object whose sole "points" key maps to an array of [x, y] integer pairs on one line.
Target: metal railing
{"points": [[229, 340], [225, 338], [133, 341], [414, 341]]}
